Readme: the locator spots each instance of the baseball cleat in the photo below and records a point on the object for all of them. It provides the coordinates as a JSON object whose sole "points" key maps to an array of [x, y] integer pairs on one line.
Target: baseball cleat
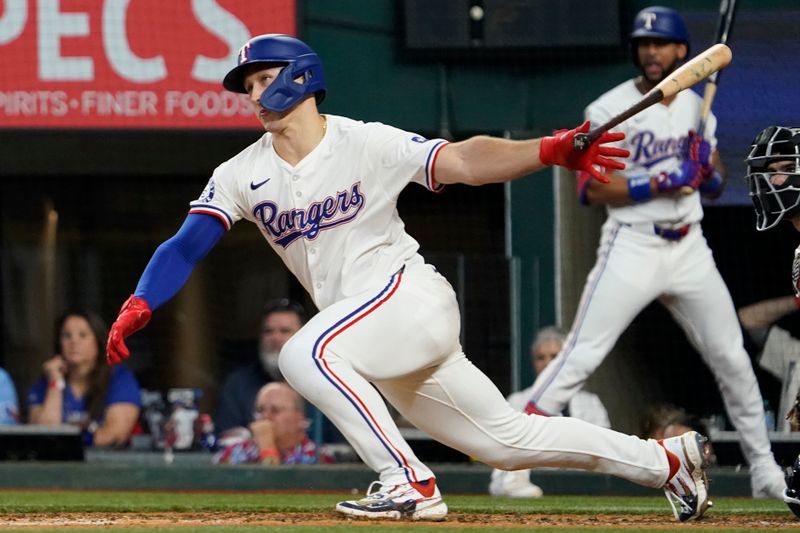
{"points": [[415, 500], [767, 480], [687, 489]]}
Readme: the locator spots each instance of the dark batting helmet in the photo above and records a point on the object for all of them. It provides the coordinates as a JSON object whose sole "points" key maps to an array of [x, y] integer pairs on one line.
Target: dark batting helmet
{"points": [[775, 192], [792, 494], [658, 22], [299, 60]]}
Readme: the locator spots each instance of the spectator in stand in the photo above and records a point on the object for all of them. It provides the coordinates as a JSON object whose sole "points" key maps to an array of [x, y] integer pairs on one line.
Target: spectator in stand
{"points": [[9, 406], [583, 405], [282, 318], [79, 388], [665, 420], [778, 350], [277, 434]]}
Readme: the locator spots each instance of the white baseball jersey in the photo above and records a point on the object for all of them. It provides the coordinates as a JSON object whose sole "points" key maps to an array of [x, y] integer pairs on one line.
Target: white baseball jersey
{"points": [[350, 182], [655, 138], [388, 321]]}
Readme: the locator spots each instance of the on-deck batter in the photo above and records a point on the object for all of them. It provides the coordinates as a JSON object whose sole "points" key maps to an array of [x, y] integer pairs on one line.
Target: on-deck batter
{"points": [[652, 247], [323, 191]]}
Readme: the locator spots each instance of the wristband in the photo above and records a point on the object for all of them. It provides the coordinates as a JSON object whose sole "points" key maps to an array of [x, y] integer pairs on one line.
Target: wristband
{"points": [[639, 189], [57, 384], [713, 183], [268, 455]]}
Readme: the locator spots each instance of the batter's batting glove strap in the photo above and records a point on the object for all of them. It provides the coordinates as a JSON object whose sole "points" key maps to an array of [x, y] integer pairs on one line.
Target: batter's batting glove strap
{"points": [[689, 174], [133, 316], [712, 182], [558, 149], [639, 188]]}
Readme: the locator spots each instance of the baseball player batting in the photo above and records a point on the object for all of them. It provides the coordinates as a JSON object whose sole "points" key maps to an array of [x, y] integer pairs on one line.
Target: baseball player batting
{"points": [[652, 247], [323, 190]]}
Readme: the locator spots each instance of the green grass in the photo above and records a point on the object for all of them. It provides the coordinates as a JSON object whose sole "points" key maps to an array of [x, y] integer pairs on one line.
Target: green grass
{"points": [[21, 502], [130, 501]]}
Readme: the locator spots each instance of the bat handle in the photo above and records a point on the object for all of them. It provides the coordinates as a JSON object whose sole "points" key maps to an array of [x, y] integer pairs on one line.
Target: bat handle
{"points": [[581, 142]]}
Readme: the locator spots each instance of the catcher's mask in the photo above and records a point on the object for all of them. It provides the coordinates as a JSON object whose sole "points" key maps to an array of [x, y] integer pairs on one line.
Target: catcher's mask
{"points": [[775, 193], [792, 494], [274, 50]]}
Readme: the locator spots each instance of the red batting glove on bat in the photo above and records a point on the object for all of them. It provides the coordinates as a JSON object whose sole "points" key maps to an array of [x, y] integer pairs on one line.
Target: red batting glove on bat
{"points": [[558, 150], [133, 316]]}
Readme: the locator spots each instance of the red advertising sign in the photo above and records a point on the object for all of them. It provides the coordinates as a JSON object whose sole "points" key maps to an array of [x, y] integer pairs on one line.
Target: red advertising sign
{"points": [[128, 63]]}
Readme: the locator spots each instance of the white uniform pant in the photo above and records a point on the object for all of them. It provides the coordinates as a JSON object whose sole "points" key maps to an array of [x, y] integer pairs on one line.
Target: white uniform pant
{"points": [[634, 268], [403, 339]]}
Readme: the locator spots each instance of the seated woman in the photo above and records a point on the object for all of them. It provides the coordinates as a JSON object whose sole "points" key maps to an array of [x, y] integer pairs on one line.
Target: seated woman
{"points": [[79, 388]]}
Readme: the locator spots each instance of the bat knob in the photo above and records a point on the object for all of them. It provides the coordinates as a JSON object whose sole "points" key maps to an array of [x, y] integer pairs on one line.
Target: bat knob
{"points": [[580, 142]]}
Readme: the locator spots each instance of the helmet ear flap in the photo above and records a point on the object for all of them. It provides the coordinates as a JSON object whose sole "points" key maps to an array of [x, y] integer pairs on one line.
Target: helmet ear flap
{"points": [[285, 91], [282, 93]]}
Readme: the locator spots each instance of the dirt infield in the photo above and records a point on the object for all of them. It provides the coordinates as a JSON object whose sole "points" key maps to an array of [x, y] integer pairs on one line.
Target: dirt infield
{"points": [[159, 520]]}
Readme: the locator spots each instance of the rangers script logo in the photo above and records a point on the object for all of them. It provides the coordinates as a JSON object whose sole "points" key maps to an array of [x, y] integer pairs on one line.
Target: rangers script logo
{"points": [[647, 150], [288, 226]]}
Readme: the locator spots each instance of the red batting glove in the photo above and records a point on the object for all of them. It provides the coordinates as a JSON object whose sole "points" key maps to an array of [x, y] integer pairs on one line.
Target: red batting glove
{"points": [[559, 150], [133, 316]]}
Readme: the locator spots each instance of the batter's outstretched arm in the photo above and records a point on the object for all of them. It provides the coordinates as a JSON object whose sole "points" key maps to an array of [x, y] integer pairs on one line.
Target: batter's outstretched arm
{"points": [[482, 159], [165, 274]]}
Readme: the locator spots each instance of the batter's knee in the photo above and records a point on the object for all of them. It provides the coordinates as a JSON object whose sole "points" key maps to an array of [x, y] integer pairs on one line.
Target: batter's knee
{"points": [[296, 360]]}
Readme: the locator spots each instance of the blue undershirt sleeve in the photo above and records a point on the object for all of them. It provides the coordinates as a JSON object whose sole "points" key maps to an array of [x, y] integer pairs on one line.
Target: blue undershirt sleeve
{"points": [[174, 260]]}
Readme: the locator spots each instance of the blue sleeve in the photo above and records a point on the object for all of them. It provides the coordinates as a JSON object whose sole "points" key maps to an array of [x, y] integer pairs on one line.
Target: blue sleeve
{"points": [[9, 406], [123, 387], [174, 260], [36, 392]]}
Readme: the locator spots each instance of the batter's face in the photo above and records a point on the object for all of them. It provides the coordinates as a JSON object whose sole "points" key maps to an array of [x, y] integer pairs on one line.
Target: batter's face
{"points": [[256, 82], [657, 58], [543, 353]]}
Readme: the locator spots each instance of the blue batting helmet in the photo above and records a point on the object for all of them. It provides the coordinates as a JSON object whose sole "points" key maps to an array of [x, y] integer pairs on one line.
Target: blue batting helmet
{"points": [[276, 49], [658, 22]]}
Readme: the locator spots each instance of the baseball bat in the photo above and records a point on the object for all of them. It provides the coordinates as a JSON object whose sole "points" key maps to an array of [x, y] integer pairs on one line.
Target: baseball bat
{"points": [[687, 75], [727, 14]]}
